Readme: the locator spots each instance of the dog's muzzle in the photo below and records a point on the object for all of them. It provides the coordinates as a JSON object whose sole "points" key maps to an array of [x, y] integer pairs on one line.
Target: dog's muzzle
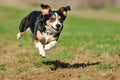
{"points": [[58, 27]]}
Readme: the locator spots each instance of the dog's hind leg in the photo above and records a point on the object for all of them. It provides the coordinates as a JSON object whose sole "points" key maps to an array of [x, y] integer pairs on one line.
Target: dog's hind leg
{"points": [[19, 35], [23, 27]]}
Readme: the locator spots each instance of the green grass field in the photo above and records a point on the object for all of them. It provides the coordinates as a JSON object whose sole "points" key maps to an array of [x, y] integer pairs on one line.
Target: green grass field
{"points": [[81, 36]]}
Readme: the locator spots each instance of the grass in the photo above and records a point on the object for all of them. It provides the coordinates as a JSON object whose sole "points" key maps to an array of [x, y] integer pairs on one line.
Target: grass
{"points": [[114, 10], [96, 36], [105, 66], [21, 70], [2, 68]]}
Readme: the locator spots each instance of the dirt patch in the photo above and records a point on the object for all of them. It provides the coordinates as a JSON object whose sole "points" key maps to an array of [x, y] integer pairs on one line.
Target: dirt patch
{"points": [[83, 66]]}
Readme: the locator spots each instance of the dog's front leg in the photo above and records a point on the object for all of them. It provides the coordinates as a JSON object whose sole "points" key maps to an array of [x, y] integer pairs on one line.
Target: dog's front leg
{"points": [[39, 45], [50, 45]]}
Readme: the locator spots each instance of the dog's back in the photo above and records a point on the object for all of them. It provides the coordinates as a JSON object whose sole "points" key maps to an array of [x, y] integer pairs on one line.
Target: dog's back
{"points": [[29, 21]]}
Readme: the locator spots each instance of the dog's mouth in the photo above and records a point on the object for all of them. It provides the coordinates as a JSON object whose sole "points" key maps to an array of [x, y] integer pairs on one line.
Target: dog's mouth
{"points": [[56, 29]]}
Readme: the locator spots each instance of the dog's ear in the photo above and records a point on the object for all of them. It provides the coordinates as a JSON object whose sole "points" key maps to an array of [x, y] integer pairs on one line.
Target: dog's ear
{"points": [[65, 9], [45, 9]]}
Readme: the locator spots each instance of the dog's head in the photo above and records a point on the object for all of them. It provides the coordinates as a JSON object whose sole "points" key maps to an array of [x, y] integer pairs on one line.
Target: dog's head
{"points": [[54, 19]]}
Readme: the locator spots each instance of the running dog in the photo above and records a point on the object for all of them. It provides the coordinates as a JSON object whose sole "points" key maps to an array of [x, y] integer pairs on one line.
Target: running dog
{"points": [[45, 26]]}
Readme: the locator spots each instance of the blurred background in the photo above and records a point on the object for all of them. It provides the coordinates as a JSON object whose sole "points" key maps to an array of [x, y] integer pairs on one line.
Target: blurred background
{"points": [[75, 3]]}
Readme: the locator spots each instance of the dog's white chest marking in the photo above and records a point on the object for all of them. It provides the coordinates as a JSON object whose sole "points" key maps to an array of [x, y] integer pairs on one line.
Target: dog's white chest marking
{"points": [[47, 36]]}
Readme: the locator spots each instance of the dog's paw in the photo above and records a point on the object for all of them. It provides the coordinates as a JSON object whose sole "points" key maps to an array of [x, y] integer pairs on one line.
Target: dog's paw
{"points": [[42, 53], [43, 56], [19, 36], [46, 48]]}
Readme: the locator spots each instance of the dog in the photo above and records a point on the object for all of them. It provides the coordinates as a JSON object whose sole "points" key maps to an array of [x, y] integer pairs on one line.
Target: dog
{"points": [[45, 26]]}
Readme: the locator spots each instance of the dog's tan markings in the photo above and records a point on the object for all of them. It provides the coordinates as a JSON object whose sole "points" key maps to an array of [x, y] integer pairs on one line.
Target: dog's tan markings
{"points": [[40, 47], [52, 39], [60, 19], [40, 37], [35, 41], [48, 23], [45, 9], [63, 11], [19, 35], [22, 33], [51, 20]]}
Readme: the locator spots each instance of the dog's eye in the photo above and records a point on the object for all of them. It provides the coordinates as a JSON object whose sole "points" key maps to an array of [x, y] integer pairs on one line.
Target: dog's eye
{"points": [[60, 19], [52, 19]]}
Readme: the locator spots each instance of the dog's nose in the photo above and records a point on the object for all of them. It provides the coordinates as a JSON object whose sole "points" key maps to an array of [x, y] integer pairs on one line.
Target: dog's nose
{"points": [[58, 25]]}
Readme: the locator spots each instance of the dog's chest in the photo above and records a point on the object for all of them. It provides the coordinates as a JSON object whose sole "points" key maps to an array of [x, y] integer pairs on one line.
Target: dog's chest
{"points": [[47, 37]]}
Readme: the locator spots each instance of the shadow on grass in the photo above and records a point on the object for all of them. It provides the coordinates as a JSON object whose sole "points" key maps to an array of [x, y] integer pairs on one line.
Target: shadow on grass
{"points": [[58, 64]]}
